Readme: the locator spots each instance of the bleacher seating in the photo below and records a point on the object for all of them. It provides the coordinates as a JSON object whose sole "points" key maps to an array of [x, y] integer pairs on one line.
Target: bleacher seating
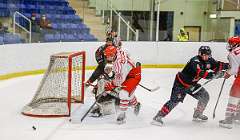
{"points": [[1, 40], [66, 25], [10, 38]]}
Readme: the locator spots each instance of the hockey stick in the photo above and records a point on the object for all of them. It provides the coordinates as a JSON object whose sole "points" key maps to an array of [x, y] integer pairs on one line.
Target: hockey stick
{"points": [[98, 97], [83, 117], [148, 89], [144, 87], [214, 111], [204, 84], [101, 89]]}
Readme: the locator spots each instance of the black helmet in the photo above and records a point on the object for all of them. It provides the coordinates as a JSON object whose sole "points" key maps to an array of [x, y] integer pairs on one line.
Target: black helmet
{"points": [[109, 39], [204, 50]]}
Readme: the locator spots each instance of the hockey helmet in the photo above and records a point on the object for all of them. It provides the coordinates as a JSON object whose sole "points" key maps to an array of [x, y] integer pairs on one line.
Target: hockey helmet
{"points": [[110, 53], [109, 41], [233, 42], [204, 50]]}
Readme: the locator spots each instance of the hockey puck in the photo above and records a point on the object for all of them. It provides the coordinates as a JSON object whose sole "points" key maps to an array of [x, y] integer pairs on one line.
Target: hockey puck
{"points": [[34, 128], [70, 120]]}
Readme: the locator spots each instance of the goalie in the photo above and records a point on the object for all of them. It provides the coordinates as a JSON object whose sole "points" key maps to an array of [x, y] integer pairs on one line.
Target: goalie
{"points": [[106, 100], [125, 78]]}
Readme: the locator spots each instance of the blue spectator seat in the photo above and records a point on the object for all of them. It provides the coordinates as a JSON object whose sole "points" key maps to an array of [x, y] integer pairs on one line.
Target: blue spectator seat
{"points": [[1, 40], [10, 38], [66, 25]]}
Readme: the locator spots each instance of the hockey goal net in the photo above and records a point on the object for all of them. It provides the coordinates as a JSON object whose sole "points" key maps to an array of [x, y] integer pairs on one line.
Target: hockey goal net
{"points": [[62, 85]]}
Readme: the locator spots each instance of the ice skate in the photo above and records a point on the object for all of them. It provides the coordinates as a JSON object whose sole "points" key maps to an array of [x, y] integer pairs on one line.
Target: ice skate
{"points": [[96, 112], [236, 118], [227, 123], [121, 119], [137, 108], [157, 120], [199, 117]]}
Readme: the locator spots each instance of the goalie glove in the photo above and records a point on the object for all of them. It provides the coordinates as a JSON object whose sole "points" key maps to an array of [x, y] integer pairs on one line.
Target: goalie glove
{"points": [[108, 71]]}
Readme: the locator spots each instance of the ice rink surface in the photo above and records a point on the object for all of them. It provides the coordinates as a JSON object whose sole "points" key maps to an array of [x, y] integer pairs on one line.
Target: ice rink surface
{"points": [[15, 93]]}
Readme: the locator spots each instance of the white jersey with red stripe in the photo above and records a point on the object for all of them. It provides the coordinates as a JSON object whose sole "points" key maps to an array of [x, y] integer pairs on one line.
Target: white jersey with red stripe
{"points": [[234, 61], [121, 66]]}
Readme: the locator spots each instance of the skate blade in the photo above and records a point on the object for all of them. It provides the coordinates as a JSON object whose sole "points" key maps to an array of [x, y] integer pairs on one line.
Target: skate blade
{"points": [[136, 113], [237, 122], [156, 123], [121, 122], [228, 126], [198, 120], [95, 115]]}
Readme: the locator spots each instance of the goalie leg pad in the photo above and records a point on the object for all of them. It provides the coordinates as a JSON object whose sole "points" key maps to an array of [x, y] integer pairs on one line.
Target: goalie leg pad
{"points": [[107, 104], [108, 107]]}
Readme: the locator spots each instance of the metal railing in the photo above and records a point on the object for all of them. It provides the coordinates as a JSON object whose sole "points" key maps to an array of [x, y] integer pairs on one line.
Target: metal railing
{"points": [[20, 26], [120, 19]]}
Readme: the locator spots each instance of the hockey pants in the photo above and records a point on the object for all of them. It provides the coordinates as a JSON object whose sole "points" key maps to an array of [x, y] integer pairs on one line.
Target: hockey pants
{"points": [[126, 95], [178, 94]]}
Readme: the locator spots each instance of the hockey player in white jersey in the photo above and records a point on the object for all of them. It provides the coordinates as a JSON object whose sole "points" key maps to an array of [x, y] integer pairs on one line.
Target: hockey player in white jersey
{"points": [[233, 107], [127, 76]]}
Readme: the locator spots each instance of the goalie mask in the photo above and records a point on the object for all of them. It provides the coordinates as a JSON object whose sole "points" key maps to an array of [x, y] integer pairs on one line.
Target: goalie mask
{"points": [[233, 42], [110, 53]]}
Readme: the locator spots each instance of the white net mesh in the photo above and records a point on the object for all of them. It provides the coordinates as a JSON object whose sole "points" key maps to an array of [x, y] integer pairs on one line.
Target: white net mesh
{"points": [[52, 96]]}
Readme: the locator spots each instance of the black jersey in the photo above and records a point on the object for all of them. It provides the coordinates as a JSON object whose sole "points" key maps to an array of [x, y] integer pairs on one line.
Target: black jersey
{"points": [[99, 54], [197, 68]]}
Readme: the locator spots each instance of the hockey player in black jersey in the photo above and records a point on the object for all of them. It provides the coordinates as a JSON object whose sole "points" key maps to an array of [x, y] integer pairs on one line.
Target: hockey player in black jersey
{"points": [[99, 56], [112, 40], [186, 82]]}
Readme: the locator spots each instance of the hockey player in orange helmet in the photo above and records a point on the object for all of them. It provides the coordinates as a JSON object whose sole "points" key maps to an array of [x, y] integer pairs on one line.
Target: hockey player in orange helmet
{"points": [[110, 53], [127, 76]]}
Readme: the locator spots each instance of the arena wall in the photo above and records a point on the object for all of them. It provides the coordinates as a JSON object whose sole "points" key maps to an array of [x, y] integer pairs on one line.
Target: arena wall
{"points": [[27, 59]]}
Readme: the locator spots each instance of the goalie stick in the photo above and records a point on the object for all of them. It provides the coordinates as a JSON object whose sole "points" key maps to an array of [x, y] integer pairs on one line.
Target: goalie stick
{"points": [[83, 117], [214, 111], [101, 90]]}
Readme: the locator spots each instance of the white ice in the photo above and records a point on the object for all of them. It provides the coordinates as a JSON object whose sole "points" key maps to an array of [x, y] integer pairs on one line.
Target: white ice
{"points": [[15, 93]]}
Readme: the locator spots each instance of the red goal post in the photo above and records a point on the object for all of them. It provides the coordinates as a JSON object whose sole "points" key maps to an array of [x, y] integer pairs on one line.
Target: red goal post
{"points": [[61, 86]]}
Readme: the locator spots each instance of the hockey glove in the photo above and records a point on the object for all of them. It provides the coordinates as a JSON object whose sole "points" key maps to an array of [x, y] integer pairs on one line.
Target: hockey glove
{"points": [[226, 75], [226, 66], [87, 84], [190, 90], [220, 74], [210, 75], [109, 86]]}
